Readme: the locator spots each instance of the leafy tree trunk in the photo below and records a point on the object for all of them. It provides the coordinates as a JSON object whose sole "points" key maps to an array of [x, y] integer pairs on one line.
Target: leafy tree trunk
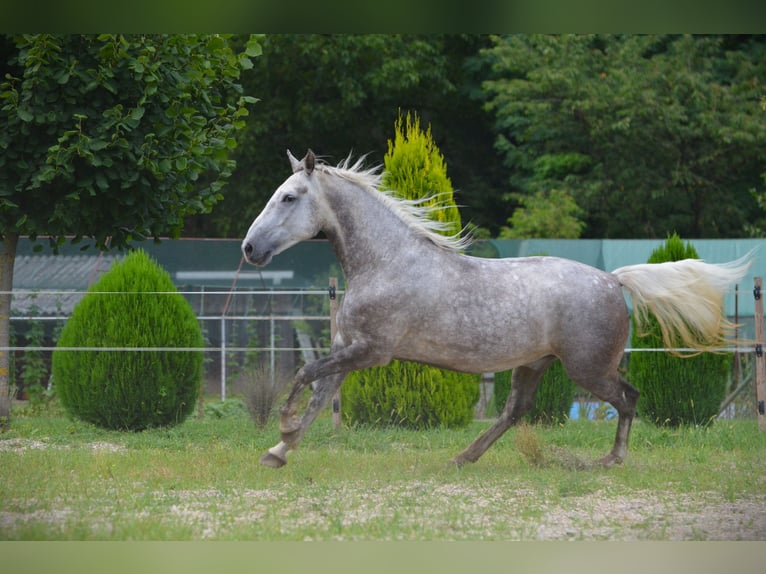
{"points": [[7, 257]]}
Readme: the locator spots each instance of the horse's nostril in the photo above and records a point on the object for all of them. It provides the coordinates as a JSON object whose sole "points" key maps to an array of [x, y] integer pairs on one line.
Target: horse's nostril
{"points": [[248, 248]]}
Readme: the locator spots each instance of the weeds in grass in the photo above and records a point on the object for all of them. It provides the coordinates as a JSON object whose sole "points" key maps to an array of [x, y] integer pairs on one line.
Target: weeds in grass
{"points": [[262, 392], [529, 445]]}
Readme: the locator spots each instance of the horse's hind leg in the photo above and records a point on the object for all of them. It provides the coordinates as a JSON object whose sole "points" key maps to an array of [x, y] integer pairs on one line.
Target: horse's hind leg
{"points": [[524, 383], [623, 397]]}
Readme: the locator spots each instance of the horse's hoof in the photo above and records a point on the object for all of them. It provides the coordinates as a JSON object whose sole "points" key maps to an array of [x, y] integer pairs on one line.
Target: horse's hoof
{"points": [[609, 461], [272, 460], [459, 461]]}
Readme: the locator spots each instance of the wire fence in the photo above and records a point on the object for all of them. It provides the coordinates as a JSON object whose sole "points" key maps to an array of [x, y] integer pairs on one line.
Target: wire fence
{"points": [[232, 327]]}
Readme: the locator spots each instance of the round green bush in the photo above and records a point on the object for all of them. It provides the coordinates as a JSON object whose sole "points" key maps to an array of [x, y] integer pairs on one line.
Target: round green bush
{"points": [[553, 399], [130, 390], [676, 390], [411, 395]]}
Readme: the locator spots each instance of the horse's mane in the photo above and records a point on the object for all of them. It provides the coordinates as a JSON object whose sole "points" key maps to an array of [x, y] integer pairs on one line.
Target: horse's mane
{"points": [[413, 212]]}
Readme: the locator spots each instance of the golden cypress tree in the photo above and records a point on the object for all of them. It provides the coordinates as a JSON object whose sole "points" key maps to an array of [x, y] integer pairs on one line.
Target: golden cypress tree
{"points": [[404, 393], [415, 169]]}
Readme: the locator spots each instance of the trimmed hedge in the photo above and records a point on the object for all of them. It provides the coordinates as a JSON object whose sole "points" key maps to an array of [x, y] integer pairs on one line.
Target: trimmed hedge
{"points": [[411, 395], [676, 390], [553, 400], [130, 390]]}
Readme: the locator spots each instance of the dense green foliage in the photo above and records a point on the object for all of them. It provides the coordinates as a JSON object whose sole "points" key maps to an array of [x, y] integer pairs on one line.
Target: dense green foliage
{"points": [[339, 94], [410, 395], [553, 400], [405, 393], [676, 390], [549, 215], [126, 390], [644, 134], [116, 137], [648, 134]]}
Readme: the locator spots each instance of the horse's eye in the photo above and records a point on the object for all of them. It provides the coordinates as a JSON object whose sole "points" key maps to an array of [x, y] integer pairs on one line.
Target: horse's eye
{"points": [[288, 198]]}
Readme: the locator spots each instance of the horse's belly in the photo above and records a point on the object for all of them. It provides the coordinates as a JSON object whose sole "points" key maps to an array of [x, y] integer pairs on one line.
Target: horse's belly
{"points": [[473, 360], [473, 347]]}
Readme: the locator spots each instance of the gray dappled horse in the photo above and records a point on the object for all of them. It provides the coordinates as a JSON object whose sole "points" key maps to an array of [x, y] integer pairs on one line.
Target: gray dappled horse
{"points": [[412, 295]]}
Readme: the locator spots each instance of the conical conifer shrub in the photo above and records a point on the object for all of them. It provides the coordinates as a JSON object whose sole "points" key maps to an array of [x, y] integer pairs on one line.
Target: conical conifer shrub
{"points": [[676, 390], [122, 389], [406, 393]]}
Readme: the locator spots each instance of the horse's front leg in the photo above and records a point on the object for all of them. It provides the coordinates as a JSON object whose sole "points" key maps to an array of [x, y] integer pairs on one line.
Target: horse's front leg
{"points": [[292, 428], [329, 372]]}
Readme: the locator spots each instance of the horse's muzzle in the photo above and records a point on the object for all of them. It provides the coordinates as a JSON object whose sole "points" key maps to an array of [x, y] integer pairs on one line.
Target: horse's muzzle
{"points": [[255, 256]]}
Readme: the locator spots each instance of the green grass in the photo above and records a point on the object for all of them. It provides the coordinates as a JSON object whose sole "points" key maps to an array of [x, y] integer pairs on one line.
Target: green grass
{"points": [[66, 480]]}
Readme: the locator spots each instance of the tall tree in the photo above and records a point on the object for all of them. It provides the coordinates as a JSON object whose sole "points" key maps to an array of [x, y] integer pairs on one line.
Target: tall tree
{"points": [[648, 134], [111, 137], [341, 93]]}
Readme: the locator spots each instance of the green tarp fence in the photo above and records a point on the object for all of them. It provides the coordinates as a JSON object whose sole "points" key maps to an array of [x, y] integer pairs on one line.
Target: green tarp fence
{"points": [[214, 263]]}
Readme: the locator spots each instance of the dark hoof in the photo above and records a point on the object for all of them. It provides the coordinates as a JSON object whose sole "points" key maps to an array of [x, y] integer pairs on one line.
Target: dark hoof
{"points": [[273, 461], [459, 461], [609, 461]]}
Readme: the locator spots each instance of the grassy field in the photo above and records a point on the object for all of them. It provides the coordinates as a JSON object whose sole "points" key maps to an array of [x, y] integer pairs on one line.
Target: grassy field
{"points": [[65, 480]]}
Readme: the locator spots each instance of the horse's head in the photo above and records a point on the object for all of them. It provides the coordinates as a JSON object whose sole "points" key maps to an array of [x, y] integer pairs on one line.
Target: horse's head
{"points": [[290, 216]]}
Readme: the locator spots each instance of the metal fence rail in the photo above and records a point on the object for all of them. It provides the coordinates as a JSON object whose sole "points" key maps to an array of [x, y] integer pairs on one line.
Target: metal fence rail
{"points": [[755, 347]]}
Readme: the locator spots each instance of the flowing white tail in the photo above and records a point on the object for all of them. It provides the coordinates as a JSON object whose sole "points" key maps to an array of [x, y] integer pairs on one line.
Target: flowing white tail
{"points": [[686, 298]]}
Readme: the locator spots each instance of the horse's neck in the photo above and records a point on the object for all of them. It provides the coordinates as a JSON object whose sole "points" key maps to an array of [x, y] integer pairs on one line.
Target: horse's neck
{"points": [[365, 234]]}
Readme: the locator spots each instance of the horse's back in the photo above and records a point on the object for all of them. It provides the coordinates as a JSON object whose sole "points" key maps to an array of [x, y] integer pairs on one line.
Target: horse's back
{"points": [[493, 314], [564, 300]]}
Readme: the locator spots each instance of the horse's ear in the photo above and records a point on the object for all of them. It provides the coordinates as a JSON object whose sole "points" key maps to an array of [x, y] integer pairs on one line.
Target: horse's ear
{"points": [[294, 162], [309, 161]]}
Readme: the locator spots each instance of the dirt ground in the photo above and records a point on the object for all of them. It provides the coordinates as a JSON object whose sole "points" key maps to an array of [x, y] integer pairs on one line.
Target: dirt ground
{"points": [[703, 516], [421, 510]]}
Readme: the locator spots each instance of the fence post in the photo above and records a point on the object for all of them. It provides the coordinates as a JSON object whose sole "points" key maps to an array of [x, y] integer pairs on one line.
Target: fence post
{"points": [[760, 358], [223, 357], [333, 292]]}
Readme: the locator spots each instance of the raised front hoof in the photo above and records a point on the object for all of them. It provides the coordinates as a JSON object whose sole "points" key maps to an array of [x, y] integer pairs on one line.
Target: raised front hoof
{"points": [[272, 460]]}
